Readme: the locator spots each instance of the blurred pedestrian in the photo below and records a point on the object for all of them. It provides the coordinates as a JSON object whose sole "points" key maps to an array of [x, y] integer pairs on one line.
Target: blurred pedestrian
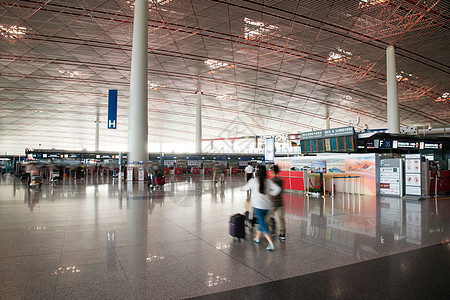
{"points": [[261, 188], [277, 204]]}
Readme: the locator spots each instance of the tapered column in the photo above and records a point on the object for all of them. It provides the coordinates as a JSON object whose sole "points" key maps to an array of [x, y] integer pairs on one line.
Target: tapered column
{"points": [[198, 121], [327, 117], [138, 109], [392, 101]]}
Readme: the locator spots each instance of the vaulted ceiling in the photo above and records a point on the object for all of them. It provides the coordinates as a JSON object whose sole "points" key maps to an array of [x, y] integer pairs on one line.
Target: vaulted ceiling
{"points": [[264, 67]]}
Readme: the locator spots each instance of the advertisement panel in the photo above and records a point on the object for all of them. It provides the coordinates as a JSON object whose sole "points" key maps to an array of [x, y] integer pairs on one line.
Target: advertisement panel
{"points": [[361, 167], [270, 149], [391, 175]]}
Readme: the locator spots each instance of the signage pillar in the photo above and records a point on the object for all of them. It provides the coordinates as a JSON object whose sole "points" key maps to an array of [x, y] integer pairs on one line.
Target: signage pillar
{"points": [[138, 110], [198, 121], [97, 129], [120, 166], [392, 101]]}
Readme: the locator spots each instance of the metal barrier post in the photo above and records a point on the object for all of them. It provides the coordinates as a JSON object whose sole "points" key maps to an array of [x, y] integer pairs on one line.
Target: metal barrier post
{"points": [[435, 185], [332, 186]]}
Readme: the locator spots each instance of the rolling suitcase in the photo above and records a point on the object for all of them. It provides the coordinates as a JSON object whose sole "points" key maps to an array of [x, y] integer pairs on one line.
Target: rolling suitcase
{"points": [[237, 228]]}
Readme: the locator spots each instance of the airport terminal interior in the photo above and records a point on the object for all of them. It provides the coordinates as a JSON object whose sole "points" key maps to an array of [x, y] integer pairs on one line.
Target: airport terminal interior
{"points": [[111, 180]]}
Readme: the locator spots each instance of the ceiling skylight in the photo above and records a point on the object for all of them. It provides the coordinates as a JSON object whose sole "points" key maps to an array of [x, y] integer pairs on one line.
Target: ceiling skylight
{"points": [[367, 3], [403, 76], [131, 4], [215, 64], [255, 29], [71, 74], [225, 97], [339, 54], [444, 98], [12, 32], [155, 85]]}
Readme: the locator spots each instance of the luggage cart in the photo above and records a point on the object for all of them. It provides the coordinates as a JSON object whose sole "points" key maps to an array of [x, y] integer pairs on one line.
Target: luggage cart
{"points": [[156, 182], [36, 181]]}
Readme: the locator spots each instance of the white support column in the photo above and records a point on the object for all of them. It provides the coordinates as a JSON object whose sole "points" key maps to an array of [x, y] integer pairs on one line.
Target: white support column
{"points": [[97, 129], [138, 109], [392, 101], [198, 121]]}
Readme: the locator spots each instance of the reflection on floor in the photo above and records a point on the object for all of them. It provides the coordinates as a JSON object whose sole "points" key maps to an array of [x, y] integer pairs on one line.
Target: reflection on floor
{"points": [[101, 238]]}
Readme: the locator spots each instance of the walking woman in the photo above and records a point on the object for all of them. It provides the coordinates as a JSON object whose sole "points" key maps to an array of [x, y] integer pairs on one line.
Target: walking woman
{"points": [[261, 189]]}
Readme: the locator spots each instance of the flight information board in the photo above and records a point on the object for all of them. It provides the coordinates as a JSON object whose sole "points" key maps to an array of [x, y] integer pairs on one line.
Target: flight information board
{"points": [[330, 140]]}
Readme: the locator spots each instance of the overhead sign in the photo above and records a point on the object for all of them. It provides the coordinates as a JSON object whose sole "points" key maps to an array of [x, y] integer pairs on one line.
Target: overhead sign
{"points": [[435, 146], [112, 109], [328, 133], [394, 144]]}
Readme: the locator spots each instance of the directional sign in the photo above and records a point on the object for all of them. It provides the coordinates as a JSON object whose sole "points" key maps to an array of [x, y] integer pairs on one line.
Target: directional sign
{"points": [[112, 109]]}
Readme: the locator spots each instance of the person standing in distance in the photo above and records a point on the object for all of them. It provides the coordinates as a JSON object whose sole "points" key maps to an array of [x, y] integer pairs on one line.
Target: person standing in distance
{"points": [[249, 171]]}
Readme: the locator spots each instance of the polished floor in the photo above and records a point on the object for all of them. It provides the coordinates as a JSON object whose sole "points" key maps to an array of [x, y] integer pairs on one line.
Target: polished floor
{"points": [[98, 238]]}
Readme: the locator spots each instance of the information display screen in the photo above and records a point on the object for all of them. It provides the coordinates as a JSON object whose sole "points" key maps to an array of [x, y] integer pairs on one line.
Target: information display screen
{"points": [[308, 146], [320, 145], [313, 145], [341, 143], [349, 143], [326, 143], [334, 144]]}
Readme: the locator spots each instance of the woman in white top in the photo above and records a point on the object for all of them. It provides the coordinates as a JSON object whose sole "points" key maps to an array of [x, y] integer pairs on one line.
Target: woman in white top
{"points": [[261, 188]]}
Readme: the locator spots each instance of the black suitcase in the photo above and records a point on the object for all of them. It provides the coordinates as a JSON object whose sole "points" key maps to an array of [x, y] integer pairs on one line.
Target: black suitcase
{"points": [[237, 228]]}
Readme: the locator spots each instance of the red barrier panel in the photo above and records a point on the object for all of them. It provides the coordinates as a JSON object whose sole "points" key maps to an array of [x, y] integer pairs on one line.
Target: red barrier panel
{"points": [[443, 184], [234, 171], [292, 180], [166, 171], [195, 171], [178, 171], [207, 171]]}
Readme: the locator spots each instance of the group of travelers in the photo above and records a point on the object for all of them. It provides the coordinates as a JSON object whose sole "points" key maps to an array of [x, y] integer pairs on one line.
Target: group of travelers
{"points": [[266, 201], [218, 172]]}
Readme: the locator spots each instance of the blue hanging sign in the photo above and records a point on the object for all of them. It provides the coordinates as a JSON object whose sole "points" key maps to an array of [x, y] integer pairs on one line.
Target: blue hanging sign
{"points": [[112, 109]]}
